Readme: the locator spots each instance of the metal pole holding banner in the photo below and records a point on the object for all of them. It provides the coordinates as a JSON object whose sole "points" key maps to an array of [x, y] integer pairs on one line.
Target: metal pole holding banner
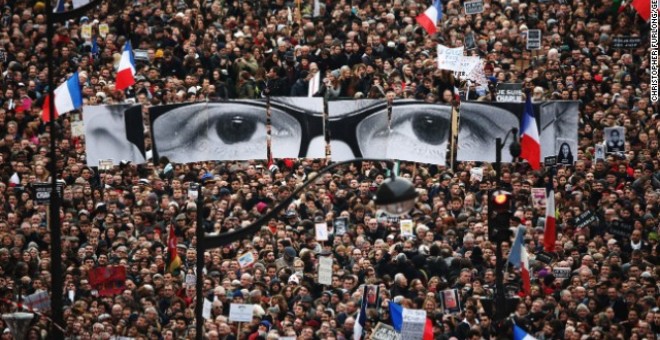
{"points": [[199, 285], [454, 135], [57, 277]]}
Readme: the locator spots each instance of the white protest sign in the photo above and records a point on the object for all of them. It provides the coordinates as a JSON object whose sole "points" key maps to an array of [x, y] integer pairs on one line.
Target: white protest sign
{"points": [[325, 270], [414, 321], [321, 231], [246, 259], [104, 29], [561, 272], [77, 128], [467, 65], [474, 6], [193, 191], [477, 174], [406, 228], [450, 58], [206, 310], [240, 312], [384, 332], [191, 280], [534, 39], [86, 31]]}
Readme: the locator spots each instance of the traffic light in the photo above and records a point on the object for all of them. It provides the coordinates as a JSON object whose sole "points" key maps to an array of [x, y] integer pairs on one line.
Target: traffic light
{"points": [[499, 214]]}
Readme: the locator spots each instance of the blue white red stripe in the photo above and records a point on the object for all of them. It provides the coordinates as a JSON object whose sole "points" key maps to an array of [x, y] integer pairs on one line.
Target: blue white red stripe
{"points": [[126, 70], [520, 334], [68, 97], [361, 320], [530, 144], [430, 18], [519, 258]]}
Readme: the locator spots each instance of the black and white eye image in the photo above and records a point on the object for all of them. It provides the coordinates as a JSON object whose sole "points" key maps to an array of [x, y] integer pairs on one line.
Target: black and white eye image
{"points": [[420, 132], [114, 132], [210, 131], [357, 128], [296, 127], [480, 124]]}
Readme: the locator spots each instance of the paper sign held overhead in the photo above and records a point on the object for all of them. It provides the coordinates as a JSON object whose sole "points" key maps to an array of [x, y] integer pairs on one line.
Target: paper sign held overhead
{"points": [[239, 312], [406, 228], [325, 270], [321, 231], [534, 39], [474, 6], [246, 259], [539, 197], [104, 29], [561, 272], [450, 58], [414, 321]]}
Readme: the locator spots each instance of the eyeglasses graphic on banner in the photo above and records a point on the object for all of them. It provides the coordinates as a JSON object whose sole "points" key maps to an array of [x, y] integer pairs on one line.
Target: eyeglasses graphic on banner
{"points": [[406, 130], [64, 10], [236, 130]]}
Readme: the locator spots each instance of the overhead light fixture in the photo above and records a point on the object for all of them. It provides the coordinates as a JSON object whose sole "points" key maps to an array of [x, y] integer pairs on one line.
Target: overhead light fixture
{"points": [[396, 196]]}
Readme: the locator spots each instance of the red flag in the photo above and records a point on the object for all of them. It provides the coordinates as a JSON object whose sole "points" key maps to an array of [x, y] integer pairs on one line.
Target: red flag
{"points": [[550, 233], [428, 330], [643, 8], [173, 259], [45, 110], [108, 280]]}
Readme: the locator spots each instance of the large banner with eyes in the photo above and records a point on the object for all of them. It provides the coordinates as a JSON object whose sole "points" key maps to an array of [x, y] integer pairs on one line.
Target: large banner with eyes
{"points": [[208, 131], [114, 132], [405, 130], [481, 123]]}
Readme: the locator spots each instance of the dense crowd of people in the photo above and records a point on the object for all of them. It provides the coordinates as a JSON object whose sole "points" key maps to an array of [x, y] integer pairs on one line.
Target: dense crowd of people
{"points": [[198, 50]]}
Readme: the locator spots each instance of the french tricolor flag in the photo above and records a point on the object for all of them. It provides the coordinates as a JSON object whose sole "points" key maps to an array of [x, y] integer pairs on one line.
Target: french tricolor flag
{"points": [[530, 144], [520, 334], [519, 258], [68, 97], [126, 70], [361, 319], [550, 232], [430, 18]]}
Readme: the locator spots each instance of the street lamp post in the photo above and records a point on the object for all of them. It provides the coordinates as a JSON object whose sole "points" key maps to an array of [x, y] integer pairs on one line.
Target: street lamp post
{"points": [[18, 323], [501, 235], [199, 280], [57, 279], [396, 195]]}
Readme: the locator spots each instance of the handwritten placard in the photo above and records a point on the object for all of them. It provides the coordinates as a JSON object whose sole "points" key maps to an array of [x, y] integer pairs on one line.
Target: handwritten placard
{"points": [[414, 321]]}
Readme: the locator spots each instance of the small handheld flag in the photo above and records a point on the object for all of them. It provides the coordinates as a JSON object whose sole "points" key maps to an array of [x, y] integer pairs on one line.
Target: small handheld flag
{"points": [[126, 70], [430, 18]]}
